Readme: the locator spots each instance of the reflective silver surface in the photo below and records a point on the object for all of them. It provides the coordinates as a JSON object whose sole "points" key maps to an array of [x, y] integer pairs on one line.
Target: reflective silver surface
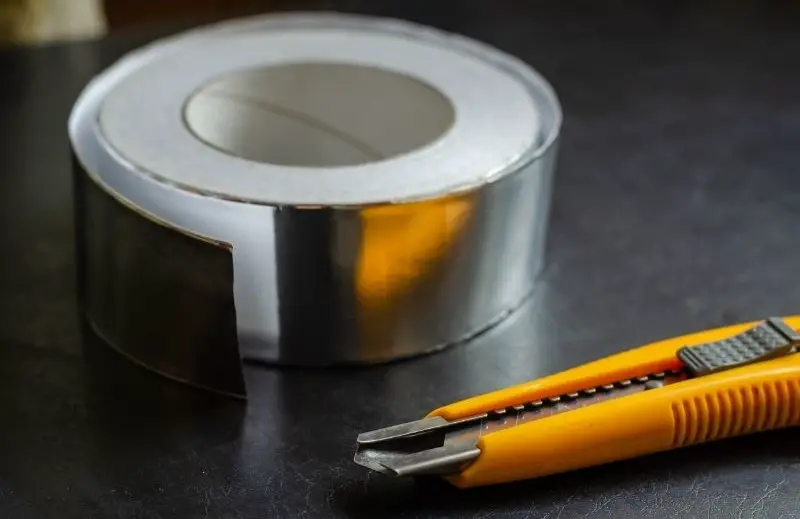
{"points": [[141, 282], [317, 285]]}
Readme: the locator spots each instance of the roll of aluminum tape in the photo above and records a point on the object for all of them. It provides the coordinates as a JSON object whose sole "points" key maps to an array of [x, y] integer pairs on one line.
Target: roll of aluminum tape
{"points": [[308, 189]]}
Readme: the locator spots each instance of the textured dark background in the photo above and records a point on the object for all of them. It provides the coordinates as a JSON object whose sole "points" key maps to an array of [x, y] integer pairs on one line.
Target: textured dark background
{"points": [[676, 208]]}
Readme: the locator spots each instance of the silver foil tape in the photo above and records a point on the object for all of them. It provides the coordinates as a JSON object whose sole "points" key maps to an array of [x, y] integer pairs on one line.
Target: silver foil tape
{"points": [[308, 189]]}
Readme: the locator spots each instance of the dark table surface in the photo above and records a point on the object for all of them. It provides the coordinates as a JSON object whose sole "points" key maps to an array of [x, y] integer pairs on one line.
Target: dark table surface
{"points": [[677, 206]]}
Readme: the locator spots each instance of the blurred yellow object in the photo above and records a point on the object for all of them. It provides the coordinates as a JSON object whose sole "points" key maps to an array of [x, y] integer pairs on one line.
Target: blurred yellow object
{"points": [[41, 21], [14, 18]]}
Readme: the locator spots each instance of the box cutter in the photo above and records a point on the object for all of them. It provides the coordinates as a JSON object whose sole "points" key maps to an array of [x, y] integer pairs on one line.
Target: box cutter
{"points": [[682, 391]]}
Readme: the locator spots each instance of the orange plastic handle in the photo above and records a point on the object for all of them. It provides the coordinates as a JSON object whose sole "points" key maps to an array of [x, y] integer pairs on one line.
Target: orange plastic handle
{"points": [[757, 397]]}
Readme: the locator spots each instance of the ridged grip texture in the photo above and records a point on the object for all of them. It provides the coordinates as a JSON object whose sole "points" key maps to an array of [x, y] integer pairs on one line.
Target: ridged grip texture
{"points": [[746, 399], [737, 410]]}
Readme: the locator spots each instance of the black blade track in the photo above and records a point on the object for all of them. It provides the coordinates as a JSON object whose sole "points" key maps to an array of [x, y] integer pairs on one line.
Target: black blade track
{"points": [[536, 410]]}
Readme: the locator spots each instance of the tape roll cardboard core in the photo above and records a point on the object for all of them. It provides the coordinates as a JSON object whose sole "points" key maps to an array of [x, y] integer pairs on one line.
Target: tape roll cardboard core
{"points": [[318, 114]]}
